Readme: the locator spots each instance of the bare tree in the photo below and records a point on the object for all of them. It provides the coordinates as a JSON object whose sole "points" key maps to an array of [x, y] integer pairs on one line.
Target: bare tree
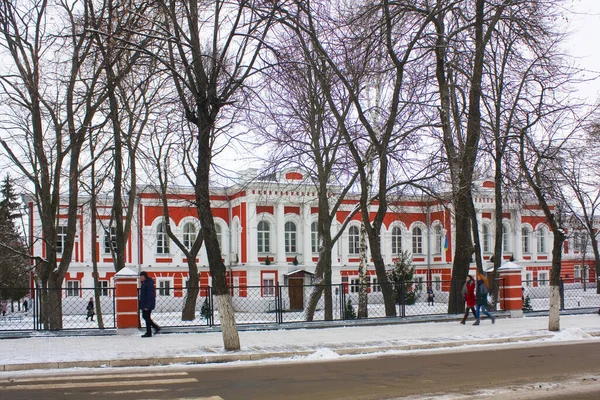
{"points": [[51, 94]]}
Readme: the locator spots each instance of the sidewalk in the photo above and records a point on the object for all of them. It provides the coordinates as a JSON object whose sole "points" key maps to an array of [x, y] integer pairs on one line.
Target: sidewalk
{"points": [[129, 349]]}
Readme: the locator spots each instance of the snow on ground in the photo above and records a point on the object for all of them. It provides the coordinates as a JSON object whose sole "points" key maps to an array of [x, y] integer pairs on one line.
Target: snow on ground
{"points": [[323, 342]]}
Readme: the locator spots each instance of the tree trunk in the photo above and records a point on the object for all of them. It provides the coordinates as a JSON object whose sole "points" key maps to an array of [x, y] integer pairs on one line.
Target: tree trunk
{"points": [[193, 289], [54, 304]]}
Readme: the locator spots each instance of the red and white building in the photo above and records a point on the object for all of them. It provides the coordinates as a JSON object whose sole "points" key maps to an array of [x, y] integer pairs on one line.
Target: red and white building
{"points": [[276, 217]]}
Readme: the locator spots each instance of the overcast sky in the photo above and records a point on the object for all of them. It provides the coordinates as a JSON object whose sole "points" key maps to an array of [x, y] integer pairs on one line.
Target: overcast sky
{"points": [[584, 43]]}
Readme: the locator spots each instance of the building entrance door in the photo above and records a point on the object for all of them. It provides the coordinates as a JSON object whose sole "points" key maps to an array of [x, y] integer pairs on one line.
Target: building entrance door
{"points": [[296, 292]]}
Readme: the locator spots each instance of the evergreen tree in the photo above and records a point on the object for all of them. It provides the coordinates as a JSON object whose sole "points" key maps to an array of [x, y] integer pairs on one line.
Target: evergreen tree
{"points": [[527, 304], [401, 276], [14, 268]]}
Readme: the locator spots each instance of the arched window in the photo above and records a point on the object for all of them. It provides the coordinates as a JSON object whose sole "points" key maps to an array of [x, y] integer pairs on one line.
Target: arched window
{"points": [[162, 239], [525, 240], [396, 240], [314, 237], [353, 240], [219, 233], [290, 237], [541, 240], [189, 235], [263, 236], [61, 239], [505, 239], [486, 238], [417, 240], [437, 231]]}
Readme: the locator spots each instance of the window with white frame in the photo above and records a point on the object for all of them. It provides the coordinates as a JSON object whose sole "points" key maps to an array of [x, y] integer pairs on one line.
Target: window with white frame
{"points": [[219, 233], [542, 278], [526, 240], [438, 237], [110, 239], [417, 240], [487, 240], [162, 239], [586, 273], [375, 286], [263, 237], [314, 237], [164, 287], [268, 284], [577, 272], [419, 282], [528, 278], [541, 240], [437, 282], [505, 238], [189, 235], [396, 240], [103, 287], [61, 239], [72, 288], [354, 285], [290, 237], [353, 240]]}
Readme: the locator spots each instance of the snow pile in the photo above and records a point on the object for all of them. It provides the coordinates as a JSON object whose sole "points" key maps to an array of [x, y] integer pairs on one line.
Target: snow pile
{"points": [[322, 354]]}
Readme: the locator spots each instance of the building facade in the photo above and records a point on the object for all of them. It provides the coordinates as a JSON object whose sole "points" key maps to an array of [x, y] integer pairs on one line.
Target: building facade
{"points": [[267, 229]]}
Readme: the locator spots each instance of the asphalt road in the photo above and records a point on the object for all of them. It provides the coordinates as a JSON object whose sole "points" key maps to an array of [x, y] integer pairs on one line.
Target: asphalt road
{"points": [[539, 372]]}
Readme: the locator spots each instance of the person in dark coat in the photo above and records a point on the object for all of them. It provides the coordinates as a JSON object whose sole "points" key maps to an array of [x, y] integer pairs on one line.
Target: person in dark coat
{"points": [[147, 302], [430, 296], [482, 301], [468, 293], [90, 309]]}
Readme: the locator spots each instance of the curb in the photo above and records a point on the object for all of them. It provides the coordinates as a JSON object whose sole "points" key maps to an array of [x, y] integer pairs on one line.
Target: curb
{"points": [[226, 358]]}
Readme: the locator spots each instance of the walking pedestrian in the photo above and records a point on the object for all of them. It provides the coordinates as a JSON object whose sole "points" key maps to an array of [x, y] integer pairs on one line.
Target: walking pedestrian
{"points": [[25, 305], [147, 301], [468, 293], [430, 296], [90, 310], [482, 301]]}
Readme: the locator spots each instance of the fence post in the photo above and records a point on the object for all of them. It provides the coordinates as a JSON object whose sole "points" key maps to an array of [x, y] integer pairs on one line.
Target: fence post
{"points": [[126, 299], [512, 289], [211, 306], [279, 307], [342, 302]]}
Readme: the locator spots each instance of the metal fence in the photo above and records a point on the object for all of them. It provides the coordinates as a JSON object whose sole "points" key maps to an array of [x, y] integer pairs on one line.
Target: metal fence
{"points": [[574, 295], [26, 314], [290, 303]]}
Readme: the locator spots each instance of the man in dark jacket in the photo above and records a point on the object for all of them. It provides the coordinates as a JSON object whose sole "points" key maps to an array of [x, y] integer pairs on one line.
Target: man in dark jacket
{"points": [[147, 302]]}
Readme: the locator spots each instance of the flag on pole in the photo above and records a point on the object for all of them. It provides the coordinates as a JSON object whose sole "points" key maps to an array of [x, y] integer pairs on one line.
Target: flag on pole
{"points": [[446, 243]]}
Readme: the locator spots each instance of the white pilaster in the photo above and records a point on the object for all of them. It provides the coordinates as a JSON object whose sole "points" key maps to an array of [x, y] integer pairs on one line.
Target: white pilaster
{"points": [[250, 233], [306, 235], [280, 234], [518, 237]]}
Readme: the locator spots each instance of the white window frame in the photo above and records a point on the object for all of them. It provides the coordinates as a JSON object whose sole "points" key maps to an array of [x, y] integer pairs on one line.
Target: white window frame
{"points": [[314, 237], [103, 285], [505, 238], [541, 240], [528, 278], [436, 282], [219, 234], [164, 287], [61, 239], [437, 234], [417, 240], [163, 243], [543, 278], [290, 237], [110, 239], [526, 240], [72, 287], [375, 286], [268, 284], [486, 236], [354, 284], [189, 236], [263, 237], [396, 236], [353, 240]]}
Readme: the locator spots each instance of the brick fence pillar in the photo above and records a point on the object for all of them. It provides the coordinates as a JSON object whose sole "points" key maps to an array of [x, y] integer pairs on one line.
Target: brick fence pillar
{"points": [[126, 299], [511, 291]]}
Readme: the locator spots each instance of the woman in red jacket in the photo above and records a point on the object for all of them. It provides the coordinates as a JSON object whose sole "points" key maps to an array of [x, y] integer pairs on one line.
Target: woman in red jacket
{"points": [[468, 292]]}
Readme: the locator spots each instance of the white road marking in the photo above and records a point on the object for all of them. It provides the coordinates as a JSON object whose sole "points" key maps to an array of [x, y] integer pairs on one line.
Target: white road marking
{"points": [[94, 377], [96, 384]]}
